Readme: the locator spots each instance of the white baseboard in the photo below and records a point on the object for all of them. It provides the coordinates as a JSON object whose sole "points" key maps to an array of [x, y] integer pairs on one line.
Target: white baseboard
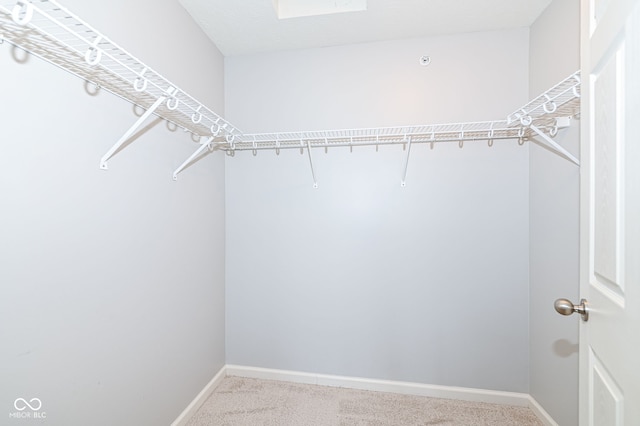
{"points": [[541, 413], [197, 402], [406, 388]]}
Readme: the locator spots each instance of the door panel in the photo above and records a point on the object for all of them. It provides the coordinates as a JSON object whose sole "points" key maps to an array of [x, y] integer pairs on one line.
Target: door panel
{"points": [[610, 213], [607, 83], [607, 403]]}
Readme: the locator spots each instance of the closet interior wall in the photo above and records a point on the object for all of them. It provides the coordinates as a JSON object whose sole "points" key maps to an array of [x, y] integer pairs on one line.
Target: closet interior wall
{"points": [[361, 277], [554, 220], [112, 283]]}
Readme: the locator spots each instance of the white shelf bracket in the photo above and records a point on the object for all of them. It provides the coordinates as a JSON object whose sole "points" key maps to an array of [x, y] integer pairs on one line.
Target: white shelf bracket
{"points": [[313, 173], [403, 182], [193, 156], [130, 132], [554, 146]]}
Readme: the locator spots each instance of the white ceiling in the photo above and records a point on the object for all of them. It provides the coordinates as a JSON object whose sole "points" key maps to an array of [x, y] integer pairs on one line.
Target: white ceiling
{"points": [[240, 27]]}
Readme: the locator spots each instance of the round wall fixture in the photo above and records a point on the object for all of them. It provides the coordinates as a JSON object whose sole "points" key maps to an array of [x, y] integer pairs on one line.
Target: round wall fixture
{"points": [[425, 60]]}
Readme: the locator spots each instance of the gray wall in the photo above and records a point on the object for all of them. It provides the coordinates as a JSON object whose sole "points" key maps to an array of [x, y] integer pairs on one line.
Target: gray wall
{"points": [[111, 283], [554, 213], [361, 277]]}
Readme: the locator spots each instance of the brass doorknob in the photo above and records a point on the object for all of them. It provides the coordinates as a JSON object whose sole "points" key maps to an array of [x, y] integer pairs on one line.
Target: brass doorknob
{"points": [[565, 307]]}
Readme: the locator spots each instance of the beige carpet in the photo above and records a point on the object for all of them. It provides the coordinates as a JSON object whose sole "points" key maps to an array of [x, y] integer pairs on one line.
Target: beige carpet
{"points": [[251, 402]]}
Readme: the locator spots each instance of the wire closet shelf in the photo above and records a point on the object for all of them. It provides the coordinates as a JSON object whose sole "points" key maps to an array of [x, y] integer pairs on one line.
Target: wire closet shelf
{"points": [[46, 29], [542, 113]]}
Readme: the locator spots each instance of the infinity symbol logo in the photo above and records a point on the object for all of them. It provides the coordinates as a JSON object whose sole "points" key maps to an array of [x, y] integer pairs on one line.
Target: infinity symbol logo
{"points": [[37, 404]]}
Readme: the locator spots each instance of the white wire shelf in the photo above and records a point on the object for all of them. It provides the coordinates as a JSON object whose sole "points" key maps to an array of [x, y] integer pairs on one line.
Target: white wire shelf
{"points": [[562, 100], [540, 119], [541, 114], [46, 29], [489, 131], [455, 132]]}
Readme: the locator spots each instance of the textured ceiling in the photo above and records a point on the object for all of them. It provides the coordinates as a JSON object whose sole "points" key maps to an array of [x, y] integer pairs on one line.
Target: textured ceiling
{"points": [[240, 27]]}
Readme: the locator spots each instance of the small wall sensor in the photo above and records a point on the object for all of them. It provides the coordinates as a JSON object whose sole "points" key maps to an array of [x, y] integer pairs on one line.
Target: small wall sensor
{"points": [[425, 60]]}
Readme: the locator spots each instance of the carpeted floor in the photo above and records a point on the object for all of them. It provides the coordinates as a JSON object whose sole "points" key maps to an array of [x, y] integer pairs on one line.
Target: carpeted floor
{"points": [[250, 402]]}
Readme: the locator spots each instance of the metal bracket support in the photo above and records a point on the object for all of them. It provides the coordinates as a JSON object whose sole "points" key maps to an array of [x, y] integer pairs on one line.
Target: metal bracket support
{"points": [[193, 156], [403, 182], [131, 131], [313, 173], [554, 146]]}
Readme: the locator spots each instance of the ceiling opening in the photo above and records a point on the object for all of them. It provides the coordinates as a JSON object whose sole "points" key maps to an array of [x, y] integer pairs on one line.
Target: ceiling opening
{"points": [[298, 8]]}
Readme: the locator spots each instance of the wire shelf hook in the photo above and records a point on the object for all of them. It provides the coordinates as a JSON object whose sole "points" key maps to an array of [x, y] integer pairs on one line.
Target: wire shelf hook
{"points": [[171, 126], [140, 83], [231, 141], [521, 134], [525, 119], [23, 8], [549, 107], [172, 101], [93, 55], [196, 117]]}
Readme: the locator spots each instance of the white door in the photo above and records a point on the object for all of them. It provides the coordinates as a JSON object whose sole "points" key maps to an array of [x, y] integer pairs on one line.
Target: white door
{"points": [[610, 213]]}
